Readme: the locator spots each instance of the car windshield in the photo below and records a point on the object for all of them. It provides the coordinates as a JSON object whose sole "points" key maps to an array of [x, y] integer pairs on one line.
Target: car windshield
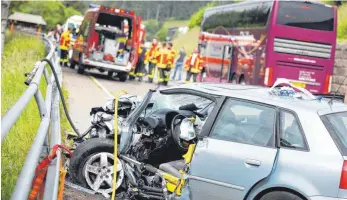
{"points": [[336, 124], [174, 101]]}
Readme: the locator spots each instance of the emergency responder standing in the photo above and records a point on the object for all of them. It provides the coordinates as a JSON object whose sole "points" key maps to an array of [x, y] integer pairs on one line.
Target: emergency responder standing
{"points": [[173, 55], [65, 40], [151, 59], [193, 65], [140, 65], [163, 65]]}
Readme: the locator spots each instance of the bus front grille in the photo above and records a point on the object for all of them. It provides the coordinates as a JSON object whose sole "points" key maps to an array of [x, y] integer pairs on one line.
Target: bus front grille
{"points": [[302, 48]]}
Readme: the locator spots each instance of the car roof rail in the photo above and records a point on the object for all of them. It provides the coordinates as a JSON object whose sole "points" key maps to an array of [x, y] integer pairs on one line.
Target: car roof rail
{"points": [[282, 81], [338, 97]]}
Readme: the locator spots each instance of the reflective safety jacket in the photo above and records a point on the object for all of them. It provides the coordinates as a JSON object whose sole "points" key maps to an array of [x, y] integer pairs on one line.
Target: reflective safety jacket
{"points": [[121, 39], [151, 54], [194, 67], [173, 55], [142, 54], [163, 58], [65, 40]]}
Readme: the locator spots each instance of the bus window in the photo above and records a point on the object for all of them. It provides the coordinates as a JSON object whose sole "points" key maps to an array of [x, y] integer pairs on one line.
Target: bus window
{"points": [[306, 15], [242, 16]]}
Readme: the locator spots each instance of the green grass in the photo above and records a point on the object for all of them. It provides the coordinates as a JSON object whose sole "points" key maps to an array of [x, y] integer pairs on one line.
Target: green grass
{"points": [[176, 23], [342, 23], [189, 40], [172, 23], [21, 52]]}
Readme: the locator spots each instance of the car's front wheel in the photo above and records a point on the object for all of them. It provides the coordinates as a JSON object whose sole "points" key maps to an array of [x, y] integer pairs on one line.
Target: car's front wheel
{"points": [[92, 165], [280, 195]]}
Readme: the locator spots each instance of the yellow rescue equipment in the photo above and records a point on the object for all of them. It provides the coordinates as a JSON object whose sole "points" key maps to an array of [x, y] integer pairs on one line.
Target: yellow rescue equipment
{"points": [[115, 153]]}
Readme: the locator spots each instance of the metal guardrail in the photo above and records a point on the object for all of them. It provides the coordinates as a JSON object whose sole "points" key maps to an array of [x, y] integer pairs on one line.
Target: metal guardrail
{"points": [[48, 133]]}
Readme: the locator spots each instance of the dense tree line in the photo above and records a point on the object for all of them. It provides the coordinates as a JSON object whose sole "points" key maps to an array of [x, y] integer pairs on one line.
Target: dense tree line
{"points": [[161, 10], [52, 12]]}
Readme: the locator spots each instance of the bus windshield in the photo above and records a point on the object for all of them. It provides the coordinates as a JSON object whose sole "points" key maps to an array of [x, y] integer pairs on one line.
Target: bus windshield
{"points": [[306, 15]]}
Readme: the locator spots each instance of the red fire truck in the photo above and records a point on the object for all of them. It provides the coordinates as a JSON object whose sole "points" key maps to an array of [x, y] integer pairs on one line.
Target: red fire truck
{"points": [[108, 40]]}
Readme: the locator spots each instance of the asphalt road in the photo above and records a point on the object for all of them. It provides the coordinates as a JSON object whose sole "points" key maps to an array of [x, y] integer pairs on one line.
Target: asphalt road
{"points": [[84, 93]]}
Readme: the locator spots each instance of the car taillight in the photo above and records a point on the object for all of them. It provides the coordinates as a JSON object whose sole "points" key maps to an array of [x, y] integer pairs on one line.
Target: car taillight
{"points": [[327, 84], [343, 180], [268, 79]]}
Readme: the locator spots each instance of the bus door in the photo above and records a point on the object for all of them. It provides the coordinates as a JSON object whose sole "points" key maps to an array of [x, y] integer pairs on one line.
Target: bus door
{"points": [[257, 56], [225, 70]]}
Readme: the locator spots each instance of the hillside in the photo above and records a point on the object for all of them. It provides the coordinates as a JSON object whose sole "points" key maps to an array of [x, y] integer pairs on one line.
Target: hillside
{"points": [[189, 40]]}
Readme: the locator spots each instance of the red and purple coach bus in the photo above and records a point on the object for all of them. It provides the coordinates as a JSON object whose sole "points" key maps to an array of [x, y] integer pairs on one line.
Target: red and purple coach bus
{"points": [[256, 42]]}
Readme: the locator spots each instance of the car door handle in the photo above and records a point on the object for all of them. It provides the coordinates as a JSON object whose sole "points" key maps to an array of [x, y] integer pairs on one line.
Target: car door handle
{"points": [[253, 162]]}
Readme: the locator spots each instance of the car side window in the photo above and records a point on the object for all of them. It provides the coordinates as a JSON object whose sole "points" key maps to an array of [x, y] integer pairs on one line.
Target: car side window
{"points": [[245, 122], [290, 132]]}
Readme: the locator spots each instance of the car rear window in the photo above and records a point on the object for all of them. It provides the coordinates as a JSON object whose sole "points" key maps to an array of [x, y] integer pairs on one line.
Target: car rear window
{"points": [[306, 15], [336, 124]]}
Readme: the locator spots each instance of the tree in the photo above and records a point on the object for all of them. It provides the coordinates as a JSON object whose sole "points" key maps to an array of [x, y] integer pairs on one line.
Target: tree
{"points": [[196, 18], [52, 12]]}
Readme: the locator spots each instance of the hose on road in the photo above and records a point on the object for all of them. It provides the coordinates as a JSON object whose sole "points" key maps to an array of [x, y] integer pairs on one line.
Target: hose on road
{"points": [[61, 95]]}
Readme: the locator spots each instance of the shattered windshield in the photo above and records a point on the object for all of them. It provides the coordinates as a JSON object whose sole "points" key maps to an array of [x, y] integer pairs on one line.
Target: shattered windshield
{"points": [[174, 101]]}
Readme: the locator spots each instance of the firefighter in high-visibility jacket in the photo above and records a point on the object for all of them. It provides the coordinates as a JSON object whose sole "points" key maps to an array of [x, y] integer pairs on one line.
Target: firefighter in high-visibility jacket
{"points": [[173, 54], [65, 40], [140, 65], [151, 59], [193, 66], [163, 64]]}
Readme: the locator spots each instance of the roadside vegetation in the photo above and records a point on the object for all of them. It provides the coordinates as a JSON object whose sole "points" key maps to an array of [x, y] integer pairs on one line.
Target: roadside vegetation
{"points": [[53, 12], [342, 23], [21, 52], [189, 40]]}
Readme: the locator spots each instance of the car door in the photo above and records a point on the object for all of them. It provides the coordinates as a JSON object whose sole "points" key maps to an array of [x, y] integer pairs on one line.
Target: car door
{"points": [[236, 154]]}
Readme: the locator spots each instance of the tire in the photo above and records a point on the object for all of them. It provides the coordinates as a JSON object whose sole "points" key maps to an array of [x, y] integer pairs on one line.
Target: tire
{"points": [[83, 154], [110, 74], [280, 195], [123, 76], [72, 64], [80, 67]]}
